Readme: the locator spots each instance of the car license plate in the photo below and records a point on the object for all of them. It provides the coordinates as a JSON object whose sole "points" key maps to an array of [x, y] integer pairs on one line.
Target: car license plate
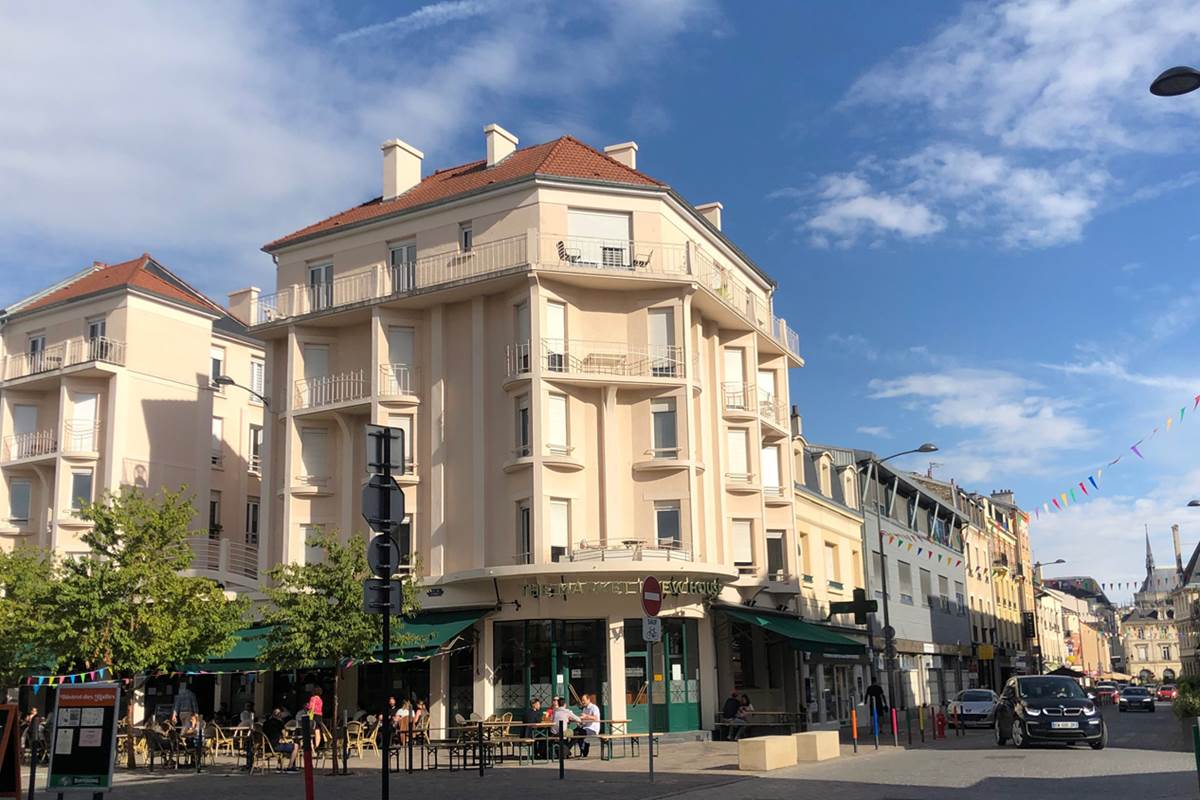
{"points": [[1064, 725]]}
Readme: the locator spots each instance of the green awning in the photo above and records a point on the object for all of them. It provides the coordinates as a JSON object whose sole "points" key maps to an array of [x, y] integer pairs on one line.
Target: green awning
{"points": [[242, 657], [429, 631], [802, 635]]}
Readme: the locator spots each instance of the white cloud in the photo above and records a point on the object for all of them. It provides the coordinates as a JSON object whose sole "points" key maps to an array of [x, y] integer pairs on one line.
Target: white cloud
{"points": [[1048, 74], [430, 16], [874, 430], [1104, 536], [199, 132], [1116, 370], [854, 344], [1007, 426], [848, 208]]}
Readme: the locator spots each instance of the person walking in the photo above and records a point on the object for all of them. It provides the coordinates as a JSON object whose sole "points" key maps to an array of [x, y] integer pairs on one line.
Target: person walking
{"points": [[185, 707]]}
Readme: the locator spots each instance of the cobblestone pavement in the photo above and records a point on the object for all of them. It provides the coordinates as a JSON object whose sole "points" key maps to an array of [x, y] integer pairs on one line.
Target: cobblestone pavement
{"points": [[1145, 760]]}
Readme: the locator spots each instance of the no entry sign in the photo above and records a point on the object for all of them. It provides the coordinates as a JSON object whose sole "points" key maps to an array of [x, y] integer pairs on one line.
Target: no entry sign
{"points": [[651, 596]]}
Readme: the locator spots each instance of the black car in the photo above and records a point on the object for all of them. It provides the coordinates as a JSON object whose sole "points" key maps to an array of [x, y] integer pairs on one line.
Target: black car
{"points": [[1137, 698], [1048, 708]]}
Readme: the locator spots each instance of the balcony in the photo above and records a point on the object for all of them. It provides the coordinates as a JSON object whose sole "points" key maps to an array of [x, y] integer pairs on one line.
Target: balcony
{"points": [[612, 359], [397, 380], [328, 390], [517, 360], [629, 550], [381, 282], [580, 255], [223, 557], [749, 400], [69, 353], [36, 444]]}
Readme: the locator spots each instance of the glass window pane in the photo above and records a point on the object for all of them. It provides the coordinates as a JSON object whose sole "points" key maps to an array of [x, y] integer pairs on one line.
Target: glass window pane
{"points": [[743, 549], [81, 488], [19, 495]]}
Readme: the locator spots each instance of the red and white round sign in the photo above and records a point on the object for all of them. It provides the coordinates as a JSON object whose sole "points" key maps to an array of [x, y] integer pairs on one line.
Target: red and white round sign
{"points": [[651, 596]]}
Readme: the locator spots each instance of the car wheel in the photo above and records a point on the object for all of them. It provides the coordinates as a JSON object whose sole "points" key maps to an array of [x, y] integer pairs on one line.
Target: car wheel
{"points": [[1103, 740], [1121, 709], [1001, 739], [1018, 734]]}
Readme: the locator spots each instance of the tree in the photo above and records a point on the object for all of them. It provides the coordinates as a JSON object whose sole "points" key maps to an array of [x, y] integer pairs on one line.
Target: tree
{"points": [[126, 604], [315, 614], [27, 576]]}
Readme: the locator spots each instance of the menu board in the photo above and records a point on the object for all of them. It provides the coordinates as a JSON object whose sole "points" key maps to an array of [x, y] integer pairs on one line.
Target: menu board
{"points": [[83, 744], [10, 751]]}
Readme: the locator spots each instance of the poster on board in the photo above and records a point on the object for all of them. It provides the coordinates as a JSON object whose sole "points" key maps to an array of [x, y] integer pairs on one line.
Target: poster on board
{"points": [[83, 746]]}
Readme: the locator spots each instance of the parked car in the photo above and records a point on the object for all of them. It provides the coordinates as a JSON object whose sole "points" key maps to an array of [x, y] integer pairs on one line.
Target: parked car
{"points": [[1107, 692], [1168, 692], [1136, 698], [1048, 708], [973, 707]]}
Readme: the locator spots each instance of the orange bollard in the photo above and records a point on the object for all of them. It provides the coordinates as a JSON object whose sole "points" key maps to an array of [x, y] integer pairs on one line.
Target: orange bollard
{"points": [[854, 728]]}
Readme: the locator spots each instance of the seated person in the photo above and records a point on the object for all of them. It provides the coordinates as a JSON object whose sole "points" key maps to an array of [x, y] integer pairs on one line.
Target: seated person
{"points": [[273, 730], [561, 716], [533, 715], [589, 713]]}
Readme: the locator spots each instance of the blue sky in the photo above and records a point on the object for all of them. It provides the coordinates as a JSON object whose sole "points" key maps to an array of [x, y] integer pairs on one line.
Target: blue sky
{"points": [[982, 223]]}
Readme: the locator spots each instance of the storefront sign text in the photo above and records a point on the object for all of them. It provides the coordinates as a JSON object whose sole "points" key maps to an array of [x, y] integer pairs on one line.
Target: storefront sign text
{"points": [[670, 586]]}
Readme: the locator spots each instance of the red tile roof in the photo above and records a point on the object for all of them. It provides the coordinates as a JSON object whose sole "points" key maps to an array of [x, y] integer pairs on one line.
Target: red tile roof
{"points": [[142, 272], [565, 157]]}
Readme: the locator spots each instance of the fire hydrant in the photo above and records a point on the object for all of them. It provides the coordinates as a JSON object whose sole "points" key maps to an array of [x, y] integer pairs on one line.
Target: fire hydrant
{"points": [[939, 725]]}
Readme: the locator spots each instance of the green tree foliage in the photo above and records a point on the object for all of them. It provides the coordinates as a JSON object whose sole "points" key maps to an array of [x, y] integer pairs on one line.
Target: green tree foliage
{"points": [[315, 612], [125, 604], [27, 577]]}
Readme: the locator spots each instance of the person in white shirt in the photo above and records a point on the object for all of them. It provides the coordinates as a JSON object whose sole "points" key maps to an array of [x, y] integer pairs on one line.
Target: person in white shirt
{"points": [[589, 714], [560, 717]]}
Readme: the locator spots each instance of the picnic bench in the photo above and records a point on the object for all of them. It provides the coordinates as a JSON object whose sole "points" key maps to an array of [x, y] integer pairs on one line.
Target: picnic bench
{"points": [[760, 723]]}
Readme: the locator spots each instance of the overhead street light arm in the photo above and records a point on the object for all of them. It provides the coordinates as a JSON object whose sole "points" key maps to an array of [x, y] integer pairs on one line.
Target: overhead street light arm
{"points": [[225, 380]]}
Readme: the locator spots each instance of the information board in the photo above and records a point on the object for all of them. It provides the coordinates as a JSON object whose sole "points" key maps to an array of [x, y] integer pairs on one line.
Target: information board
{"points": [[10, 751], [83, 744]]}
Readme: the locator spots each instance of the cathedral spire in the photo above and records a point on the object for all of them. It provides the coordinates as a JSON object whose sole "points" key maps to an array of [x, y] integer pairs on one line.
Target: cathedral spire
{"points": [[1149, 559]]}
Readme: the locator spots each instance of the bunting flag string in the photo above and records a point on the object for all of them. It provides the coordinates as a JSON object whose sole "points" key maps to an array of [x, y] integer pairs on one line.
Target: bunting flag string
{"points": [[1066, 499], [38, 681]]}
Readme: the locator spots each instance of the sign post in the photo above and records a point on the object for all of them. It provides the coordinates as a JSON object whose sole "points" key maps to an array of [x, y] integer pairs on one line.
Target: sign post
{"points": [[383, 510], [83, 751], [651, 633]]}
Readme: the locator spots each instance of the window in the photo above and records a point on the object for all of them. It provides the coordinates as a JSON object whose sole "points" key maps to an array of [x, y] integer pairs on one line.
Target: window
{"points": [[770, 470], [944, 591], [666, 524], [81, 488], [216, 358], [314, 452], [1142, 653], [665, 441], [802, 557], [405, 423], [524, 534], [743, 547], [312, 553], [662, 342], [599, 238], [959, 598], [256, 443], [735, 378], [522, 425], [214, 515], [402, 258], [776, 558], [466, 237], [560, 529], [217, 440], [96, 329], [37, 354], [555, 339], [833, 566], [906, 585], [737, 441], [557, 440], [926, 587], [252, 521], [521, 331], [320, 286], [877, 573], [1166, 652], [20, 493], [258, 384]]}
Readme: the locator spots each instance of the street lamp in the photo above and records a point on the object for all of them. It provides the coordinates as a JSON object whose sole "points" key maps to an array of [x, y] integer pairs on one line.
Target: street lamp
{"points": [[225, 380], [889, 633], [1176, 81], [1194, 504], [1037, 628]]}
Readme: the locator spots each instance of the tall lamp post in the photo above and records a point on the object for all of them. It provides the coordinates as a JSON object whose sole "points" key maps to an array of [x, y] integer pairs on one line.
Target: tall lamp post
{"points": [[1037, 628], [1176, 81], [889, 633], [1194, 504]]}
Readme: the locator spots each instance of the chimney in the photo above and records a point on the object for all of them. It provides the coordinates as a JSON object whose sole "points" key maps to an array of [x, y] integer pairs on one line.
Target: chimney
{"points": [[797, 422], [242, 302], [500, 144], [1178, 549], [401, 167], [625, 152], [712, 213]]}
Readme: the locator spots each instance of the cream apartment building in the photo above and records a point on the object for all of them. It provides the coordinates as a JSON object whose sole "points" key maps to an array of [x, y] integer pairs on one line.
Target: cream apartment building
{"points": [[594, 384], [107, 382]]}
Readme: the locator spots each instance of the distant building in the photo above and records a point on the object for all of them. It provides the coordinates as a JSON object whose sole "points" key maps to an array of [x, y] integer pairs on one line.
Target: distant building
{"points": [[1149, 635]]}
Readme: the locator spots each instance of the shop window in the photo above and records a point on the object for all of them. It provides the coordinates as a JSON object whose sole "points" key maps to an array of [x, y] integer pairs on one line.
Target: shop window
{"points": [[741, 652]]}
